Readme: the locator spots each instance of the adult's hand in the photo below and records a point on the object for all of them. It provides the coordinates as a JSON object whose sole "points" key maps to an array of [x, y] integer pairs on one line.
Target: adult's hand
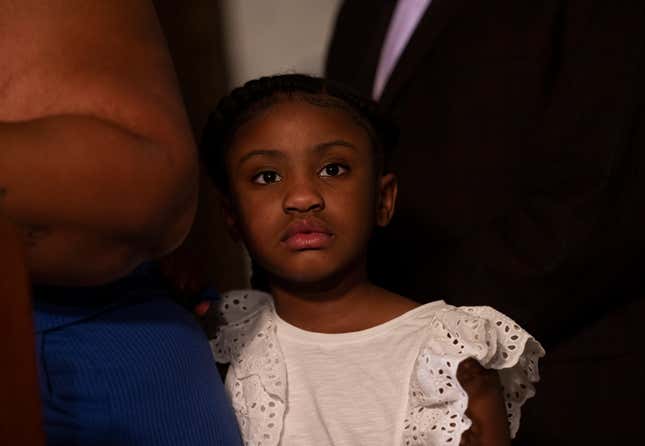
{"points": [[485, 406]]}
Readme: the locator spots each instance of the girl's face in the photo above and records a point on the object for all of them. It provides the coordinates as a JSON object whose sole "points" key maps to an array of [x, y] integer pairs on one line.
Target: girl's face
{"points": [[305, 193]]}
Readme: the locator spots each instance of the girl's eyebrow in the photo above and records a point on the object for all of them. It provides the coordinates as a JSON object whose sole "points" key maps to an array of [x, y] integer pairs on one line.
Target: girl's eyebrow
{"points": [[261, 152], [322, 147]]}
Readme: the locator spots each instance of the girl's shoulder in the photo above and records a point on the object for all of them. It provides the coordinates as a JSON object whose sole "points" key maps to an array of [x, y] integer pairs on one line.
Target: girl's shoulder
{"points": [[239, 316], [452, 335], [256, 380], [480, 332], [235, 305]]}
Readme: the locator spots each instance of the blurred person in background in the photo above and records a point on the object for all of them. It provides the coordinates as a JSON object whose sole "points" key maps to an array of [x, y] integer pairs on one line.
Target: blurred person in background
{"points": [[522, 124]]}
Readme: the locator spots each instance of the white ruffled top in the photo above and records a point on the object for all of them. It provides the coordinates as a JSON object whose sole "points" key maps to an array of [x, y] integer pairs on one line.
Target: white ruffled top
{"points": [[257, 381]]}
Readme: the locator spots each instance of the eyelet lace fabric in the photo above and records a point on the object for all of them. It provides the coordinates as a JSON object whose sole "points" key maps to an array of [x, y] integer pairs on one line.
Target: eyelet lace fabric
{"points": [[257, 381], [437, 402], [258, 387]]}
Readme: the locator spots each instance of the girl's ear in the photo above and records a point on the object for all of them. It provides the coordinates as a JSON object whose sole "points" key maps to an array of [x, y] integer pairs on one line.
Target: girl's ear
{"points": [[387, 189], [230, 217]]}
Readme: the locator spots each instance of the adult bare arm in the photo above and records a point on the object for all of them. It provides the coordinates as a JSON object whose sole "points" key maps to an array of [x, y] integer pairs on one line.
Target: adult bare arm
{"points": [[485, 406], [97, 162]]}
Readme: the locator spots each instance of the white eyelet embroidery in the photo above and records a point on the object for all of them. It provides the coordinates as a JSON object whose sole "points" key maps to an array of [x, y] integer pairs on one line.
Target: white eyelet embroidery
{"points": [[258, 387], [436, 402]]}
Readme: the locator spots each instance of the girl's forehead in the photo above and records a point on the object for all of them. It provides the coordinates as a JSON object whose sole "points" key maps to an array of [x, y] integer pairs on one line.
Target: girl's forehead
{"points": [[298, 131], [307, 115]]}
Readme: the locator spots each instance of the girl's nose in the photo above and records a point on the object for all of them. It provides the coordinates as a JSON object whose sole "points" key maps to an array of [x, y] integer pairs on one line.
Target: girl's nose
{"points": [[303, 197]]}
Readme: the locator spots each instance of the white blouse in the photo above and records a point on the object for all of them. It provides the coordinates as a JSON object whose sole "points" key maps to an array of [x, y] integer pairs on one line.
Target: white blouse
{"points": [[391, 384]]}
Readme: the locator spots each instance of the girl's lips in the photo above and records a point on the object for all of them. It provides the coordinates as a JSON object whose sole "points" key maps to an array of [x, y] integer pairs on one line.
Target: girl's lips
{"points": [[309, 233], [308, 240]]}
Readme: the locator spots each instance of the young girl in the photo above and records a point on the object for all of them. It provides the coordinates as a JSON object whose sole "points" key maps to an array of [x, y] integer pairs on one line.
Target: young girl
{"points": [[325, 357]]}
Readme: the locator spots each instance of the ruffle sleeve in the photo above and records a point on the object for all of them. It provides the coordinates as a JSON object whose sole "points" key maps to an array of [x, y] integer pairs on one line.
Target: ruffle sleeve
{"points": [[256, 381], [437, 403]]}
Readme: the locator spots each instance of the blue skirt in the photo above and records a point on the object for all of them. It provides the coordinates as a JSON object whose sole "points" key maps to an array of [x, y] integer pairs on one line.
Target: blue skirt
{"points": [[123, 364]]}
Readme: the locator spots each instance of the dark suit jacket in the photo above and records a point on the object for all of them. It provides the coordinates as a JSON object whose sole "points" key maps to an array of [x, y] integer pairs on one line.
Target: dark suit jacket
{"points": [[521, 170]]}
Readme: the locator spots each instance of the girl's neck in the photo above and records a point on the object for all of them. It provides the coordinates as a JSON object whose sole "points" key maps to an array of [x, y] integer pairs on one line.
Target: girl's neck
{"points": [[352, 304]]}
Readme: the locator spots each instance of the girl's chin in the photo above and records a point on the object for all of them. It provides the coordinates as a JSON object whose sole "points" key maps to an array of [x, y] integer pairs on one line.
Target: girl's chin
{"points": [[315, 271], [316, 281], [305, 280]]}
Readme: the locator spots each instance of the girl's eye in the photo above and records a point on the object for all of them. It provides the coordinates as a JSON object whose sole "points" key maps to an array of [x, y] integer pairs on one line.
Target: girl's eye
{"points": [[267, 177], [333, 170]]}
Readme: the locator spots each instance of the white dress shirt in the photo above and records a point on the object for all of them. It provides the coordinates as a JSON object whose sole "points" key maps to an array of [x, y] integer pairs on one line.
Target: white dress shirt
{"points": [[404, 21]]}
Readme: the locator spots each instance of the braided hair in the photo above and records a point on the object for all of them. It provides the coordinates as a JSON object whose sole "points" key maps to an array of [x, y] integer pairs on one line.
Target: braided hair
{"points": [[255, 96], [245, 102]]}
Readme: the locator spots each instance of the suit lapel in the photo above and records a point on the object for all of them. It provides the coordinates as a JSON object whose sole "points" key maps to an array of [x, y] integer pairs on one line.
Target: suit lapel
{"points": [[435, 19]]}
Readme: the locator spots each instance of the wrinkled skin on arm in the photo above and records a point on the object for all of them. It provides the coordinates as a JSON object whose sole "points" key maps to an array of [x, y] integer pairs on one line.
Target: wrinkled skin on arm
{"points": [[97, 162]]}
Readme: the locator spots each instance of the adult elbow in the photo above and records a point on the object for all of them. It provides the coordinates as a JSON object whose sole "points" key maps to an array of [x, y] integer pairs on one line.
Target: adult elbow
{"points": [[166, 209]]}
